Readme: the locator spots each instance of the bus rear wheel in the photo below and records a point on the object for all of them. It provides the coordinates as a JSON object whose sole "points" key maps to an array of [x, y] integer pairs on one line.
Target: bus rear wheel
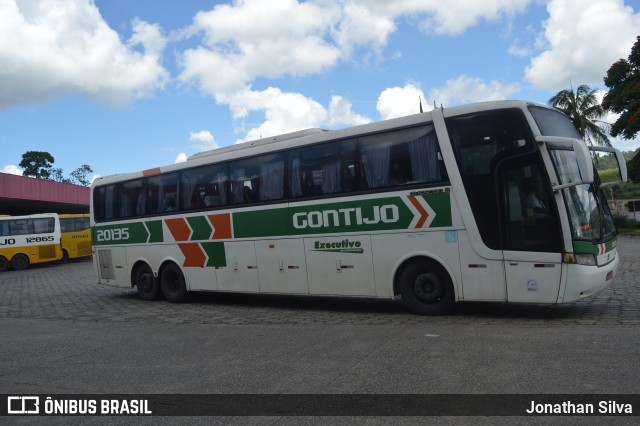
{"points": [[4, 264], [20, 262], [147, 284], [173, 284], [426, 289]]}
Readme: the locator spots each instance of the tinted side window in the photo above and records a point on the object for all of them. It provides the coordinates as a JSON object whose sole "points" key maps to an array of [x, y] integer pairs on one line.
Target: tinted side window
{"points": [[203, 187], [67, 225], [131, 198], [323, 169], [257, 179], [401, 157], [162, 193], [103, 202]]}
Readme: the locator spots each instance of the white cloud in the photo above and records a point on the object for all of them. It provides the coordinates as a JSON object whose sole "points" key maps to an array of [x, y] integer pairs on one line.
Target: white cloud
{"points": [[453, 17], [12, 170], [583, 39], [465, 89], [204, 140], [283, 112], [53, 47], [249, 40], [255, 38], [401, 101], [181, 158], [341, 113]]}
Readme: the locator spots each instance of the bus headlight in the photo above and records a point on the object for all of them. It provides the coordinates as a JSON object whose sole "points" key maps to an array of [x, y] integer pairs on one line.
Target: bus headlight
{"points": [[586, 259]]}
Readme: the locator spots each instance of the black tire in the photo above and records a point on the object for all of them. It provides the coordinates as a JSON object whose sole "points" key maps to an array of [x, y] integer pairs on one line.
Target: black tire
{"points": [[173, 284], [65, 257], [4, 264], [426, 289], [147, 285], [20, 262]]}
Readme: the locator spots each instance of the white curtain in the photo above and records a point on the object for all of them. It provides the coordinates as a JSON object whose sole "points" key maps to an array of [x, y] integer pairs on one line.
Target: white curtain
{"points": [[125, 210], [375, 162], [237, 186], [140, 205], [295, 178], [424, 158], [272, 180], [188, 185], [331, 177], [161, 204], [222, 187]]}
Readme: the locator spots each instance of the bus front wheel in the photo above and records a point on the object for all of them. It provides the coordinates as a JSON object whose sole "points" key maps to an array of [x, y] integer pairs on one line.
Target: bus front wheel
{"points": [[147, 284], [173, 284], [426, 289], [20, 262], [4, 264]]}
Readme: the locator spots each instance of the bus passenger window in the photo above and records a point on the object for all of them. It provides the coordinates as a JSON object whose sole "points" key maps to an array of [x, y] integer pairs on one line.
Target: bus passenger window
{"points": [[323, 169], [407, 156]]}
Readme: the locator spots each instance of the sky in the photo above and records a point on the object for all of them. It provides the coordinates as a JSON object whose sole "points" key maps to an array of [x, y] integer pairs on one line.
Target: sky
{"points": [[124, 86]]}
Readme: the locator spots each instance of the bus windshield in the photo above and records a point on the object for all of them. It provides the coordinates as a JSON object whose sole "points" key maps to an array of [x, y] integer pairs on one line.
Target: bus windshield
{"points": [[587, 208]]}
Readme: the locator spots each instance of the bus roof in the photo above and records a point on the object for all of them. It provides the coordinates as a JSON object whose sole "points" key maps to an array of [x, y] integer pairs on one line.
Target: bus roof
{"points": [[310, 136]]}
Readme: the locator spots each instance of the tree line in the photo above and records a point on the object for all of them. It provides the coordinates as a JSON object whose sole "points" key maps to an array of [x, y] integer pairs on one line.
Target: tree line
{"points": [[39, 164]]}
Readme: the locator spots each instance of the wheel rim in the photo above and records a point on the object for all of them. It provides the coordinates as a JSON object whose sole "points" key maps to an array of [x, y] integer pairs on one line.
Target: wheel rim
{"points": [[20, 262], [428, 287], [173, 282], [145, 281]]}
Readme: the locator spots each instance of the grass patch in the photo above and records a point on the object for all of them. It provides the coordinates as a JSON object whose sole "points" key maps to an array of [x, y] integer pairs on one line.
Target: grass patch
{"points": [[626, 223]]}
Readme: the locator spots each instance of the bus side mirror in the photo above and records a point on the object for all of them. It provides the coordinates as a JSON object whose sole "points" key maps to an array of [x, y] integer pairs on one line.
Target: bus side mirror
{"points": [[622, 165]]}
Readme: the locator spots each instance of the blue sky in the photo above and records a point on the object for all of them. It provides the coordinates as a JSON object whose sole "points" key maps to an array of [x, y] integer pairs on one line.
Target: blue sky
{"points": [[126, 85]]}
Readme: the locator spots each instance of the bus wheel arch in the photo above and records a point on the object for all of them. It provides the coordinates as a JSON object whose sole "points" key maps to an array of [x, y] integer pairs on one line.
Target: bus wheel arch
{"points": [[426, 286], [20, 262], [146, 283], [173, 282], [4, 264]]}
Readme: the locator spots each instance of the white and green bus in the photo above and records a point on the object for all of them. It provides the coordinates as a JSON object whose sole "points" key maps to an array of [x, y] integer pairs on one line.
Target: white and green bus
{"points": [[494, 201]]}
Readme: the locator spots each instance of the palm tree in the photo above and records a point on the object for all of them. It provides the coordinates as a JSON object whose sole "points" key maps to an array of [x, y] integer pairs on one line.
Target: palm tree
{"points": [[583, 108]]}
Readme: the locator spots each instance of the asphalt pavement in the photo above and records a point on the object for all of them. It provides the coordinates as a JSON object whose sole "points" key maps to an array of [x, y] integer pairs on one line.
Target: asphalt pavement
{"points": [[61, 333]]}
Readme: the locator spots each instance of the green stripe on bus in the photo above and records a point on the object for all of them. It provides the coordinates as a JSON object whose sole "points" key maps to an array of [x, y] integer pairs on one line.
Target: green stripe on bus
{"points": [[216, 254], [155, 230], [261, 223], [378, 214], [441, 204], [587, 247], [201, 228]]}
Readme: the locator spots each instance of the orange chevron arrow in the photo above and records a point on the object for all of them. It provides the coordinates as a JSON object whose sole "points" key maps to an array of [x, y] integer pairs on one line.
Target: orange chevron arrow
{"points": [[423, 213], [179, 229], [193, 254], [221, 226]]}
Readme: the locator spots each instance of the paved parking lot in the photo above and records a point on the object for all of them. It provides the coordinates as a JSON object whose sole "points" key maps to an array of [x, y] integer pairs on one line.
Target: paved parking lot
{"points": [[60, 332], [70, 292]]}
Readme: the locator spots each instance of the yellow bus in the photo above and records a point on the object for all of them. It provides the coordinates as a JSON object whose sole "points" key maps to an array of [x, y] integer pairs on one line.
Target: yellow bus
{"points": [[75, 236], [29, 239]]}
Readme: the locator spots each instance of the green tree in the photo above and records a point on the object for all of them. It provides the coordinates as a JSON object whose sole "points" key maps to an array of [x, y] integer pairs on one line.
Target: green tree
{"points": [[57, 175], [80, 175], [584, 110], [623, 81], [37, 164]]}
